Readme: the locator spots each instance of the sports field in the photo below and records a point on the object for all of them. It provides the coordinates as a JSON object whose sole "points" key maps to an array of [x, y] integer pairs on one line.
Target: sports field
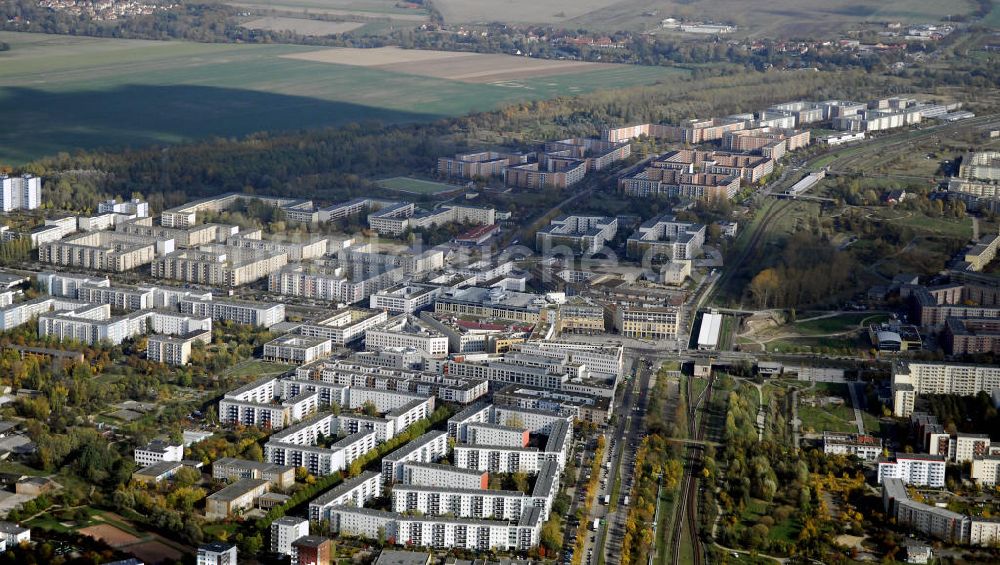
{"points": [[59, 93], [416, 186]]}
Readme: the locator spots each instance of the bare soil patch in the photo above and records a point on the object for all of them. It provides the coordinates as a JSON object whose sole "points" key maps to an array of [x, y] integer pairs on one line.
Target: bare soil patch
{"points": [[109, 535]]}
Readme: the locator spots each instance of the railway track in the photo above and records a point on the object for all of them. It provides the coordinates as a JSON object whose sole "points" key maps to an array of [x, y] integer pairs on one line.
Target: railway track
{"points": [[686, 515]]}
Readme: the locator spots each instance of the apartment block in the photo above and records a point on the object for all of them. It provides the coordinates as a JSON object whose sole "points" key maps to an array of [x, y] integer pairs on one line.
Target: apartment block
{"points": [[913, 469], [491, 303], [666, 238], [251, 313], [579, 406], [458, 425], [404, 298], [296, 446], [187, 215], [183, 237], [427, 448], [66, 285], [344, 326], [447, 476], [285, 530], [311, 248], [175, 349], [217, 553], [582, 234], [104, 251], [986, 470], [656, 181], [344, 283], [219, 265], [134, 207], [93, 323], [355, 491], [911, 378], [407, 331], [20, 193], [497, 435], [14, 315], [297, 349], [259, 403], [483, 164], [391, 218]]}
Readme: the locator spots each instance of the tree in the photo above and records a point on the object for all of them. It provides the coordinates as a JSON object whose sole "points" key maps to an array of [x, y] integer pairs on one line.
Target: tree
{"points": [[764, 286], [187, 476], [369, 408]]}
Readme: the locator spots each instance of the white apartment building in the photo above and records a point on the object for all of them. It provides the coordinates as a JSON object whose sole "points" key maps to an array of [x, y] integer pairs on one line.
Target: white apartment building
{"points": [[252, 313], [581, 234], [14, 315], [601, 360], [408, 331], [258, 404], [966, 447], [285, 530], [864, 447], [463, 503], [296, 446], [914, 469], [67, 285], [352, 492], [910, 379], [404, 298], [447, 476], [92, 323], [496, 435], [427, 448], [134, 207], [297, 349], [535, 421], [20, 193], [217, 553], [458, 425], [497, 459], [985, 470], [343, 326], [158, 450], [174, 350]]}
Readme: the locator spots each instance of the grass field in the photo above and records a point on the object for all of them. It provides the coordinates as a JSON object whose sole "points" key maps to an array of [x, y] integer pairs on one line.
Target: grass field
{"points": [[256, 367], [355, 8], [59, 93], [779, 17], [835, 324], [416, 186], [301, 25]]}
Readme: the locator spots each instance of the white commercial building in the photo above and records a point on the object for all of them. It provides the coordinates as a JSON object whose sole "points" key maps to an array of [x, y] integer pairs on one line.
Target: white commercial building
{"points": [[157, 451]]}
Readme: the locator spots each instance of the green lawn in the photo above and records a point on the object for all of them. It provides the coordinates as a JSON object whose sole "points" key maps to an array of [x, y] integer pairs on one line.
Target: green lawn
{"points": [[257, 367], [59, 93], [834, 324], [417, 186], [828, 418]]}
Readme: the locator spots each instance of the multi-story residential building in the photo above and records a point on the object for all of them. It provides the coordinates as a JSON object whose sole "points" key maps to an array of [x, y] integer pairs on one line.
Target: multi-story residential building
{"points": [[344, 283], [986, 470], [984, 165], [496, 435], [311, 248], [582, 407], [67, 285], [104, 251], [923, 518], [392, 218], [175, 349], [158, 450], [916, 469], [219, 265], [447, 476], [352, 492], [234, 498], [403, 385], [462, 503], [458, 425], [231, 469], [187, 214], [864, 447], [408, 331], [252, 313], [484, 164], [344, 326], [189, 236], [427, 448], [93, 323], [665, 237], [259, 404], [669, 182], [404, 298], [20, 193], [313, 550], [285, 530], [14, 315], [648, 323], [497, 459], [297, 349], [966, 447], [582, 234], [217, 553], [297, 446], [971, 336], [134, 207], [911, 378]]}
